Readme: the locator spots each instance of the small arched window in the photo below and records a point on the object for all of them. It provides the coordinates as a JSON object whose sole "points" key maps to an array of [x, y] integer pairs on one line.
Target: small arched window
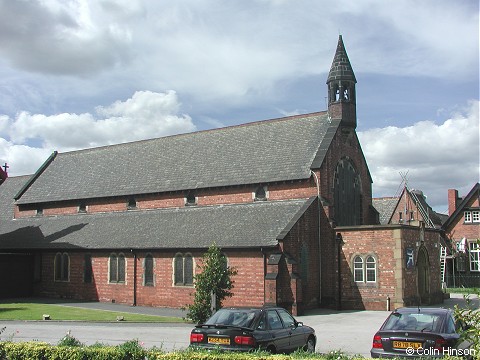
{"points": [[148, 271], [260, 194], [82, 207], [131, 203], [190, 199], [371, 269], [358, 269], [365, 269], [87, 269]]}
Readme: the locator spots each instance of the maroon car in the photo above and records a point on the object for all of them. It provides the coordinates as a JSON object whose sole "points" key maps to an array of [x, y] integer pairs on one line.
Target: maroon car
{"points": [[420, 332]]}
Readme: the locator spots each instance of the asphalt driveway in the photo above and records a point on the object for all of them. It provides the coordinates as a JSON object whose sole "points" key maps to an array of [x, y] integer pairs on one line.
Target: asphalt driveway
{"points": [[348, 331]]}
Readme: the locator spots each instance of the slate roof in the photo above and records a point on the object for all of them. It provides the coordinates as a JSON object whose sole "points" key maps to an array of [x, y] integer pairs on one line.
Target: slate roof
{"points": [[8, 189], [267, 151], [385, 207], [341, 68], [251, 225]]}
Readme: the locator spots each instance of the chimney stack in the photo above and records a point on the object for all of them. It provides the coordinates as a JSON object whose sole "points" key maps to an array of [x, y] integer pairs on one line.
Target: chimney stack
{"points": [[452, 201]]}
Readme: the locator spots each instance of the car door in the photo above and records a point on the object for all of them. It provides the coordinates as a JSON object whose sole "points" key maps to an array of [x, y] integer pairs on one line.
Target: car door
{"points": [[296, 333], [281, 335]]}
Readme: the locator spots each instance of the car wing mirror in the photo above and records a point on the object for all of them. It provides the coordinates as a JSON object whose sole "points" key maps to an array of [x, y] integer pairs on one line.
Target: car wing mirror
{"points": [[299, 324]]}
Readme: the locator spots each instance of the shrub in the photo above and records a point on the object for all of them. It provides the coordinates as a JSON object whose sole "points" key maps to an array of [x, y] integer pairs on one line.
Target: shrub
{"points": [[132, 350], [470, 316], [69, 340]]}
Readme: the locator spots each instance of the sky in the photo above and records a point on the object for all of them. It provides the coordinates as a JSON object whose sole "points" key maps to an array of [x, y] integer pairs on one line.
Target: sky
{"points": [[77, 74]]}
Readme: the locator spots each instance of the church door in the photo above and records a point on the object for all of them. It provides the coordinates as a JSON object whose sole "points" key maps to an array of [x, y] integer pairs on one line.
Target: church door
{"points": [[423, 275]]}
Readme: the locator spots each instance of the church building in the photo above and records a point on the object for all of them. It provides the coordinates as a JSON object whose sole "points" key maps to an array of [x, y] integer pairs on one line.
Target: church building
{"points": [[288, 201]]}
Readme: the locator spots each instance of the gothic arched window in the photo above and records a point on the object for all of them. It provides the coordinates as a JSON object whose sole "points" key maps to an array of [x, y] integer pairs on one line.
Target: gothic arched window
{"points": [[347, 194]]}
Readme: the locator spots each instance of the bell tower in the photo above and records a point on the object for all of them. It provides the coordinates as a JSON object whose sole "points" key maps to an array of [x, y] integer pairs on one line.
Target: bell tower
{"points": [[341, 88]]}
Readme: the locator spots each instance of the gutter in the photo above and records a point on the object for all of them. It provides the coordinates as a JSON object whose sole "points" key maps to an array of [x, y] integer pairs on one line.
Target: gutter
{"points": [[34, 177]]}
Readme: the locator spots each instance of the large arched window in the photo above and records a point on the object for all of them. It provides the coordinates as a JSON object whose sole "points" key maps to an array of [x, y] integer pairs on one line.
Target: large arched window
{"points": [[347, 194], [117, 268], [183, 270], [62, 267]]}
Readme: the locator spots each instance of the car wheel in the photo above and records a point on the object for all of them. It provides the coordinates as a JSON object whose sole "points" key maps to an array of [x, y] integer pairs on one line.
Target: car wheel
{"points": [[310, 345], [271, 349]]}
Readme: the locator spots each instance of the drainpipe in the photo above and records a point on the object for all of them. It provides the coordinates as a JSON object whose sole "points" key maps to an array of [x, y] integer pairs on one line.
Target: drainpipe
{"points": [[134, 277], [339, 241], [264, 272], [319, 206]]}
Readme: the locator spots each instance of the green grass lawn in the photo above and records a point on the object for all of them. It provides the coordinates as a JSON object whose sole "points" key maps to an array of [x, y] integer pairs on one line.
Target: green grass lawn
{"points": [[461, 290], [35, 311]]}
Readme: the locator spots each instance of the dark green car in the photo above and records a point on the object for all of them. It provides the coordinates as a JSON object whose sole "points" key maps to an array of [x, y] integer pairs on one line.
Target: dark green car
{"points": [[272, 329]]}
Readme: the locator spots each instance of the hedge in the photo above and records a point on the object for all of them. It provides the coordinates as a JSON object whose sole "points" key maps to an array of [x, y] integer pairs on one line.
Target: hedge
{"points": [[133, 351]]}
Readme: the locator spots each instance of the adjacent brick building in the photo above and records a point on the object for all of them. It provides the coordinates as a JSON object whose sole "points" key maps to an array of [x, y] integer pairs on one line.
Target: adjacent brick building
{"points": [[462, 230], [289, 202]]}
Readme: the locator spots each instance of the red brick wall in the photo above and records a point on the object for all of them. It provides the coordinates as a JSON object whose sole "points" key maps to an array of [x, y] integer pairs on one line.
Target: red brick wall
{"points": [[459, 229], [211, 196], [248, 283], [388, 246], [410, 212], [159, 201]]}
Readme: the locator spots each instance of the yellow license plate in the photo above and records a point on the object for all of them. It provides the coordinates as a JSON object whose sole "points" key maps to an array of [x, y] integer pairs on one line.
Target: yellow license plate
{"points": [[218, 340], [406, 345]]}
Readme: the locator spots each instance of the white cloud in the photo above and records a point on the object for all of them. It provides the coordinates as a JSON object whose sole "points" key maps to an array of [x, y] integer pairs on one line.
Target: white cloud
{"points": [[145, 115], [60, 37], [234, 51], [434, 157]]}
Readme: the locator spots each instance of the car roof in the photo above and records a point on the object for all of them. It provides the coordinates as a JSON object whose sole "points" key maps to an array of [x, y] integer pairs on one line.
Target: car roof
{"points": [[422, 310], [252, 308]]}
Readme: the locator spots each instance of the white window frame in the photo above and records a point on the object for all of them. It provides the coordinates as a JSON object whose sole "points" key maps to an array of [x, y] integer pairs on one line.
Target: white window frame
{"points": [[362, 268], [476, 216], [474, 256], [358, 268], [467, 217], [368, 269]]}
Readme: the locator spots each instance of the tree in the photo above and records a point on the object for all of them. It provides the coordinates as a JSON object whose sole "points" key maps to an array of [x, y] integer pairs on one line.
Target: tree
{"points": [[213, 282]]}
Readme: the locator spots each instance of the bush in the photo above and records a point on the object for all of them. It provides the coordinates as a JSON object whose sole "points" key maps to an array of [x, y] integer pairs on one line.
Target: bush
{"points": [[132, 350], [470, 316], [69, 340]]}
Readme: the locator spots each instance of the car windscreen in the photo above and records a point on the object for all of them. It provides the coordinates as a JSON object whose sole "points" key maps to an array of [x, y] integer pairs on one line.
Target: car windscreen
{"points": [[230, 317], [414, 322]]}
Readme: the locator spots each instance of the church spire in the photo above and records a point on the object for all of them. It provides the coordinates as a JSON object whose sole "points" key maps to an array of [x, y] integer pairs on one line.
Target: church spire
{"points": [[341, 68], [341, 88]]}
